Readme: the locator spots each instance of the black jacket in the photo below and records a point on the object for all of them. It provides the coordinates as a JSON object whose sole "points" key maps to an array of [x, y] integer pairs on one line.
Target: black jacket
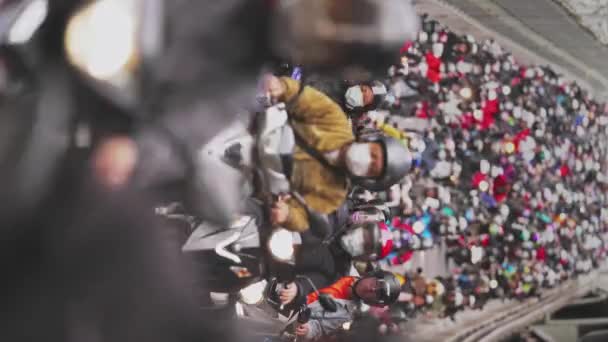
{"points": [[319, 266]]}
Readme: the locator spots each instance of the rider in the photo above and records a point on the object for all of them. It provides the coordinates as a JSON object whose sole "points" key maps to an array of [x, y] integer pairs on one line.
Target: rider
{"points": [[320, 265], [355, 94], [380, 288], [365, 96], [328, 155]]}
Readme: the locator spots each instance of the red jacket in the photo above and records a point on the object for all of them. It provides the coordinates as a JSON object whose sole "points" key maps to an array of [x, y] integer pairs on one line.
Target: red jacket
{"points": [[501, 188], [490, 109], [434, 71]]}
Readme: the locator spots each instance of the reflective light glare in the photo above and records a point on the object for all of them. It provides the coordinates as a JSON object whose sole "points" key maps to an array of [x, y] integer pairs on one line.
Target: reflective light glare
{"points": [[28, 22], [281, 244], [254, 293], [100, 39]]}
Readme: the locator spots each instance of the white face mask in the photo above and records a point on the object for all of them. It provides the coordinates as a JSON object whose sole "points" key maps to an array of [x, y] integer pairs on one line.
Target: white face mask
{"points": [[359, 159], [354, 97]]}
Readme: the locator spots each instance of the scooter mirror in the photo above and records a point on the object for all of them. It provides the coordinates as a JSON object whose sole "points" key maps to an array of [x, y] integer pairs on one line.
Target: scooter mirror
{"points": [[328, 303]]}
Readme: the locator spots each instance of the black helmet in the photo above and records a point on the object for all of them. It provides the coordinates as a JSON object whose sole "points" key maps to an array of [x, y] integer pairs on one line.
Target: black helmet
{"points": [[387, 290], [367, 241], [397, 162]]}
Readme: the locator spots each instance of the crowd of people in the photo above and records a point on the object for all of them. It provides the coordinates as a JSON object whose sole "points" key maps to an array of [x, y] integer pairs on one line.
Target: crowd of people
{"points": [[508, 164], [509, 170], [458, 145], [500, 162]]}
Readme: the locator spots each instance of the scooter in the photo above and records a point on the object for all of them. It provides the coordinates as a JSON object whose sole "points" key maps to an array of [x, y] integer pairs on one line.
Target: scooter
{"points": [[235, 255], [249, 250]]}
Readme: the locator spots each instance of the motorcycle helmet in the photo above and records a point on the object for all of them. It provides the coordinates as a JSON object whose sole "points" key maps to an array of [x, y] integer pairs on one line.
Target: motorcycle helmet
{"points": [[397, 162], [387, 288], [367, 241], [354, 97]]}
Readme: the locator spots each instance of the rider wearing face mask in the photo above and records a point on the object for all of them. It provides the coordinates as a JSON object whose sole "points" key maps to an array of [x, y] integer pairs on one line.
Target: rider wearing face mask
{"points": [[379, 289], [364, 97], [351, 93], [327, 155]]}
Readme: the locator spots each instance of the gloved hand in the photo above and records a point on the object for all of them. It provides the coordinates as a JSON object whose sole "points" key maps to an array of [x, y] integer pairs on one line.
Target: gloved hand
{"points": [[288, 293]]}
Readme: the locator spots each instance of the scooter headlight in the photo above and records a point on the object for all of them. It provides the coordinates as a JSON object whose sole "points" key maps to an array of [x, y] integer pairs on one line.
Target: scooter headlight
{"points": [[346, 326], [281, 245], [254, 293], [100, 39], [113, 43]]}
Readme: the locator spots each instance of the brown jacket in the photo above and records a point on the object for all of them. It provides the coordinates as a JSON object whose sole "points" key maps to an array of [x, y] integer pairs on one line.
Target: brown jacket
{"points": [[323, 126]]}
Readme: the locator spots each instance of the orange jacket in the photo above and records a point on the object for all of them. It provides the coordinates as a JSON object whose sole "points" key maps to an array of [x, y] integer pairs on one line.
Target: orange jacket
{"points": [[342, 289]]}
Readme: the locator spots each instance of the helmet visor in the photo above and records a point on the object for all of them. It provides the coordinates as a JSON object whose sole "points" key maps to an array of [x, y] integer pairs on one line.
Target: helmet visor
{"points": [[361, 241]]}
